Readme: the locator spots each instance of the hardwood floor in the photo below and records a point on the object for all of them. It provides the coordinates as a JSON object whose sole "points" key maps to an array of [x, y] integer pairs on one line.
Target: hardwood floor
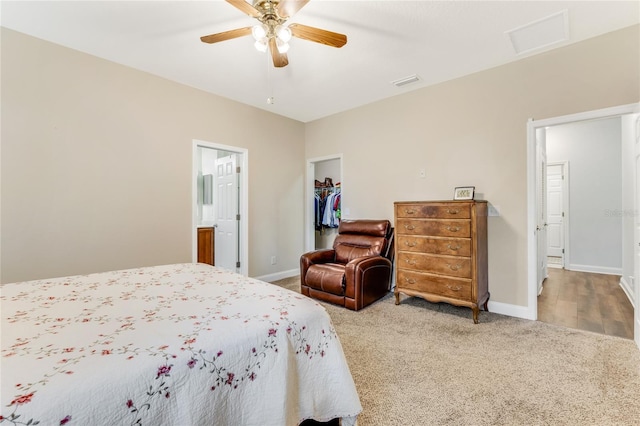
{"points": [[586, 301]]}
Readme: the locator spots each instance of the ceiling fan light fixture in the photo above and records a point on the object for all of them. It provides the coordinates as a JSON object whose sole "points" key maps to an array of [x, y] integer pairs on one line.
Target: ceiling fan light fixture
{"points": [[283, 33], [261, 45], [259, 31], [283, 47]]}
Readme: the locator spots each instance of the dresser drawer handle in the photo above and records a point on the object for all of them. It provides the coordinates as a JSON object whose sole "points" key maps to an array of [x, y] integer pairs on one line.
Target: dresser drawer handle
{"points": [[410, 244], [453, 211], [411, 262], [456, 248], [453, 228], [410, 211], [409, 227], [410, 280], [454, 267], [454, 288]]}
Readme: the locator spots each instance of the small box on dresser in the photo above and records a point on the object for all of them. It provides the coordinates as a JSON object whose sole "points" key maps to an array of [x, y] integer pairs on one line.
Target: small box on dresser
{"points": [[441, 252]]}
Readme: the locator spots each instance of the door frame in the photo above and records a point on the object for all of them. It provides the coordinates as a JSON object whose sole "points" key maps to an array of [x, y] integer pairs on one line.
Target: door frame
{"points": [[636, 236], [532, 249], [243, 196], [309, 234], [565, 208]]}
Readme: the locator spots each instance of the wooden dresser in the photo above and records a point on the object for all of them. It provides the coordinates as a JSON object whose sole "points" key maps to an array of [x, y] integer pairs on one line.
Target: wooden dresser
{"points": [[441, 252]]}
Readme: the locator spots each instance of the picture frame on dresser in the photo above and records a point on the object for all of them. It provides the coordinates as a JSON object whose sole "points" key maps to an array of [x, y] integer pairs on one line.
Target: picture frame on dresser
{"points": [[464, 192]]}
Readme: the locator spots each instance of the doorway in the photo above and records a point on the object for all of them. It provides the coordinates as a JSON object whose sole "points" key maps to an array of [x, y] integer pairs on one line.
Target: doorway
{"points": [[324, 179], [220, 202], [630, 202]]}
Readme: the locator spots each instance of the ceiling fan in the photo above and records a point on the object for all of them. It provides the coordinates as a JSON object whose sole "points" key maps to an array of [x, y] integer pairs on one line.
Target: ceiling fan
{"points": [[272, 33]]}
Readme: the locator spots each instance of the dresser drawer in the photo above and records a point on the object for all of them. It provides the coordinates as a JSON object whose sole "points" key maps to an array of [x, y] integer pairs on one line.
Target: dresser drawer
{"points": [[442, 286], [434, 227], [455, 266], [435, 245], [441, 210]]}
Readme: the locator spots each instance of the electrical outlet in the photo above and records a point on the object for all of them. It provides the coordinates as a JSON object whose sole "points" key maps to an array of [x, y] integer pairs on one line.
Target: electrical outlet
{"points": [[273, 260], [422, 174]]}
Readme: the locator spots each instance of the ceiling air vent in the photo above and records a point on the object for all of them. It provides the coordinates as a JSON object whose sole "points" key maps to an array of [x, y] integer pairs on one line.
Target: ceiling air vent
{"points": [[407, 80], [541, 33]]}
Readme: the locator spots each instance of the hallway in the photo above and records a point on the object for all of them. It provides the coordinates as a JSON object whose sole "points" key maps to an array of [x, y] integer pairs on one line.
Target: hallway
{"points": [[586, 301]]}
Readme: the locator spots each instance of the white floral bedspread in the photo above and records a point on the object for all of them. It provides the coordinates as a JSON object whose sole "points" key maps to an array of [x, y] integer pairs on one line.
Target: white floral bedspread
{"points": [[179, 345]]}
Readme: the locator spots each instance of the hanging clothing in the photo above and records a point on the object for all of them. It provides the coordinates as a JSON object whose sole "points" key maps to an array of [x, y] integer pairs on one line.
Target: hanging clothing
{"points": [[327, 207], [332, 205]]}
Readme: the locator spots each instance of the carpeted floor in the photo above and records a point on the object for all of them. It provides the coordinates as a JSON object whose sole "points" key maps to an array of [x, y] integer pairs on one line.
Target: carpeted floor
{"points": [[428, 364]]}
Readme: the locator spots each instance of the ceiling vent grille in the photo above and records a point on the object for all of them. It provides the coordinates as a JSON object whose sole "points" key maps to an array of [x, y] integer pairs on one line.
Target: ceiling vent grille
{"points": [[541, 33], [407, 80]]}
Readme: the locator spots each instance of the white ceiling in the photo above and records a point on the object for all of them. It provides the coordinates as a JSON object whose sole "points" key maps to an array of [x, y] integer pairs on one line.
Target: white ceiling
{"points": [[387, 40]]}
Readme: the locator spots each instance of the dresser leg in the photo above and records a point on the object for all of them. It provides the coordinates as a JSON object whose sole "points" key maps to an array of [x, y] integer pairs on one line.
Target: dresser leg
{"points": [[486, 303], [475, 314], [397, 297]]}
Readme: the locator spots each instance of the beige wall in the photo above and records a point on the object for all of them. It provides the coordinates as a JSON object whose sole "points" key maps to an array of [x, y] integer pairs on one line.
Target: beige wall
{"points": [[96, 157], [472, 131], [96, 166]]}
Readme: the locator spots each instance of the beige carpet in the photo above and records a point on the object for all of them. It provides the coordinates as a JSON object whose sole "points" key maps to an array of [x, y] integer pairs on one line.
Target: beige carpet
{"points": [[427, 364]]}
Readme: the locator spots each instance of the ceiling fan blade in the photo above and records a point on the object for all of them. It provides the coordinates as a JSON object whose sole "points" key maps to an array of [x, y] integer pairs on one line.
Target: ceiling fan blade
{"points": [[279, 59], [245, 7], [318, 35], [226, 35], [288, 8]]}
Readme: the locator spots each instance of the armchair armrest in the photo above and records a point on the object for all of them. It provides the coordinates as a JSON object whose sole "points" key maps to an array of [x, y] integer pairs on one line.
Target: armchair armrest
{"points": [[318, 256], [370, 271], [313, 257]]}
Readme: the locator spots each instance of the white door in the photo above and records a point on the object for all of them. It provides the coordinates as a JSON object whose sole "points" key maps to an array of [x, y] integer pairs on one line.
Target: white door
{"points": [[227, 213], [555, 213], [541, 206], [636, 322]]}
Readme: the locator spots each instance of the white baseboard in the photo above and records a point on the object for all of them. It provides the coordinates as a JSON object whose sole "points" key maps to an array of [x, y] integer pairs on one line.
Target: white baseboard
{"points": [[494, 307], [628, 290], [279, 275], [508, 309], [595, 269], [511, 310]]}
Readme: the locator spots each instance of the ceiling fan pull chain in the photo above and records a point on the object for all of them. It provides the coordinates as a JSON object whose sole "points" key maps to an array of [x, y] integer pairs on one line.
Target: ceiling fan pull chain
{"points": [[270, 99]]}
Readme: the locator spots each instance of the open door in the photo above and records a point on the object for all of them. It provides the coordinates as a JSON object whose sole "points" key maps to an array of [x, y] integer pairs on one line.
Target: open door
{"points": [[541, 209], [227, 213], [636, 240]]}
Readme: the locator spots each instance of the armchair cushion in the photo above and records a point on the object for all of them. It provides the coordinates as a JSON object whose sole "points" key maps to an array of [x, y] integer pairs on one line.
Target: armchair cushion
{"points": [[328, 277], [360, 238]]}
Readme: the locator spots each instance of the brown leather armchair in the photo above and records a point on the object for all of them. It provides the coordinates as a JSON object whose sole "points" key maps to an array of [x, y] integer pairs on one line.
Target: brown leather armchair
{"points": [[356, 271]]}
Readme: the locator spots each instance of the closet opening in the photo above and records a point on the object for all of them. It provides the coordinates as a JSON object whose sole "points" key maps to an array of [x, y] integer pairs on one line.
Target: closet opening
{"points": [[324, 201]]}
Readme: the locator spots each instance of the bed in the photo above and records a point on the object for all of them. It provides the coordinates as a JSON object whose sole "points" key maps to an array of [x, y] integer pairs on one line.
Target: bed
{"points": [[185, 344]]}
